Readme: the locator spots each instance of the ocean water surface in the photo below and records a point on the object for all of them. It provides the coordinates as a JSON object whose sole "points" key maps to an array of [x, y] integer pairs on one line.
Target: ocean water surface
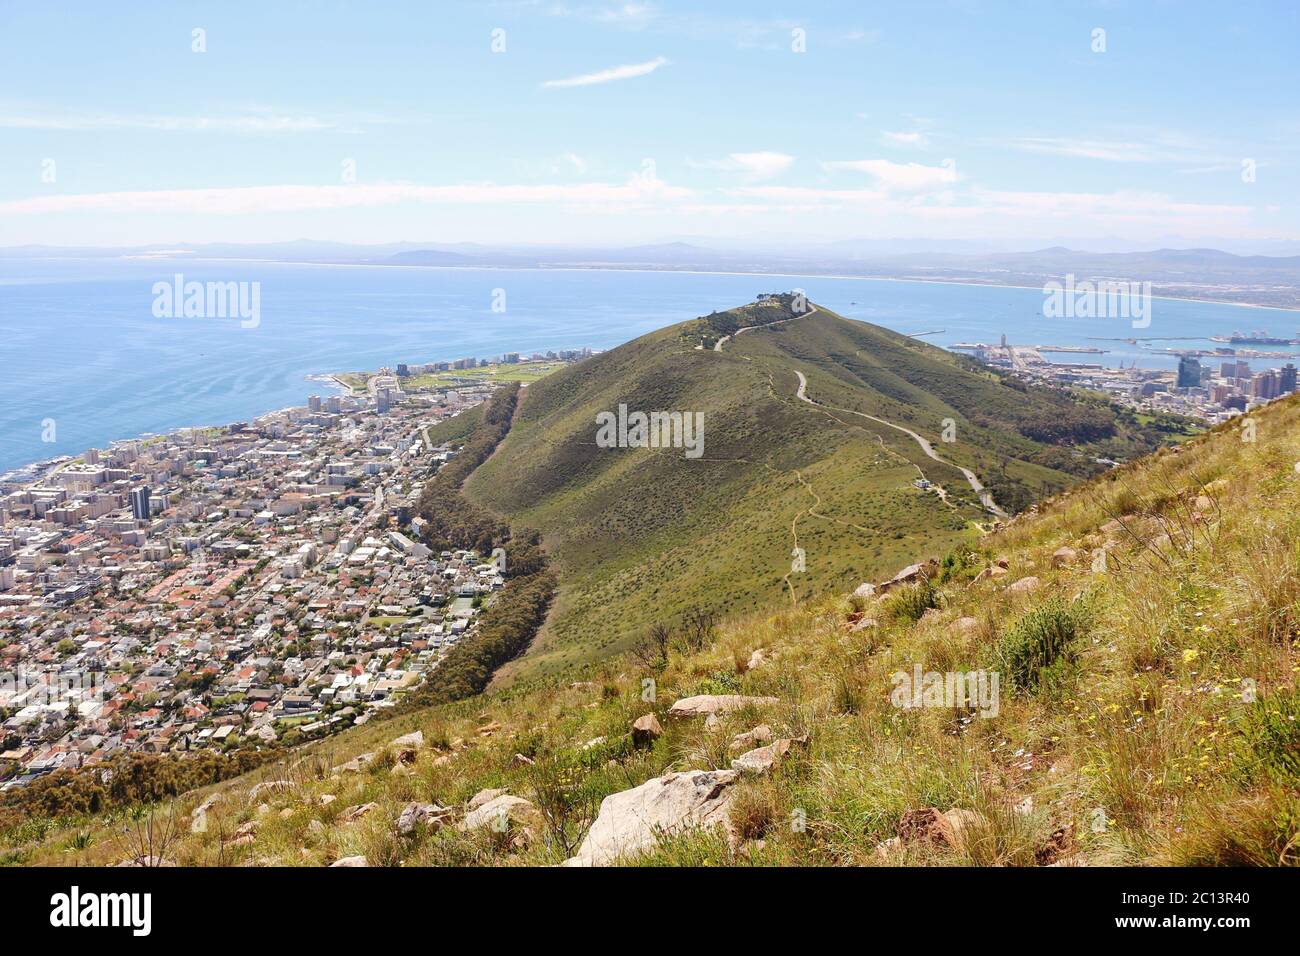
{"points": [[80, 345]]}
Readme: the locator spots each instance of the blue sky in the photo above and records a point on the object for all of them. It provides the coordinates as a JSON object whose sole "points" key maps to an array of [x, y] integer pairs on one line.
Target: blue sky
{"points": [[635, 122]]}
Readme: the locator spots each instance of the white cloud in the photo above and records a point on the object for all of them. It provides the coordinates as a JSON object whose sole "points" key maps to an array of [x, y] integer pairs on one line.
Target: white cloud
{"points": [[625, 72], [915, 138], [753, 166], [900, 176]]}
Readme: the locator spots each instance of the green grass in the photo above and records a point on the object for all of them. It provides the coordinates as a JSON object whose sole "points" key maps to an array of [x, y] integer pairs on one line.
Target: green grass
{"points": [[640, 536]]}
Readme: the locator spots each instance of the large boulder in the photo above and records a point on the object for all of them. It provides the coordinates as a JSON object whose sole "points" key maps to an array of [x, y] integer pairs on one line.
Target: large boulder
{"points": [[482, 797], [350, 861], [1024, 586], [646, 730], [635, 820], [763, 759], [1063, 557], [413, 741], [716, 704], [503, 813], [952, 828], [760, 735], [415, 815]]}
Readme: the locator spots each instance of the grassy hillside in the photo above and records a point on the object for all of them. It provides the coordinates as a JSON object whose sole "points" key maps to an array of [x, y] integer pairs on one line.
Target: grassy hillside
{"points": [[1148, 711], [646, 535]]}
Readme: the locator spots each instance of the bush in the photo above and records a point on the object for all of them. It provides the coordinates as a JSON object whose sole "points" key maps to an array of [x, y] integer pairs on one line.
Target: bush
{"points": [[1040, 639], [909, 602]]}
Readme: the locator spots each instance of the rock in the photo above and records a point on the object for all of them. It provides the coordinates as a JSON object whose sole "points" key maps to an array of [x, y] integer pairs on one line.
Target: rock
{"points": [[1024, 585], [763, 759], [862, 623], [713, 723], [350, 861], [910, 574], [244, 840], [268, 786], [886, 851], [326, 799], [712, 704], [286, 813], [487, 730], [1063, 557], [411, 741], [1025, 807], [635, 820], [316, 827], [421, 814], [931, 614], [594, 742], [501, 813], [756, 659], [263, 809], [997, 572], [951, 829], [646, 730], [482, 797], [205, 806], [519, 760], [353, 814], [356, 764], [966, 625], [1204, 503], [760, 735], [865, 590], [442, 760]]}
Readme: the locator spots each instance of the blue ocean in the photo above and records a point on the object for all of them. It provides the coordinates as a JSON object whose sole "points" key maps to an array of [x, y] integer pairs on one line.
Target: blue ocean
{"points": [[81, 347]]}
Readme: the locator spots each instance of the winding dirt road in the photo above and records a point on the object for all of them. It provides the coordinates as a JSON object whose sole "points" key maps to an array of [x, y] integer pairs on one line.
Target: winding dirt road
{"points": [[985, 496]]}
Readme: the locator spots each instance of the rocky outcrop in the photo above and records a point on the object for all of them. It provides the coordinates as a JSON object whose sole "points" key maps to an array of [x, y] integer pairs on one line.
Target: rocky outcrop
{"points": [[634, 820], [350, 861]]}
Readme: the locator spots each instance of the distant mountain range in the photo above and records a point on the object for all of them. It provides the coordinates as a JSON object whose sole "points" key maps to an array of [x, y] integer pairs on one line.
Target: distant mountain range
{"points": [[1194, 273]]}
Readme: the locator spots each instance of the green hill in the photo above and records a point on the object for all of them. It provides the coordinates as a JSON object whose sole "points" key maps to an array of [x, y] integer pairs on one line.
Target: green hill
{"points": [[645, 535], [1144, 627]]}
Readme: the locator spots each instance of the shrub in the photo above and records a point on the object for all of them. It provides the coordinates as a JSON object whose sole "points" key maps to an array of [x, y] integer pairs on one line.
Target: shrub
{"points": [[1040, 639], [909, 602]]}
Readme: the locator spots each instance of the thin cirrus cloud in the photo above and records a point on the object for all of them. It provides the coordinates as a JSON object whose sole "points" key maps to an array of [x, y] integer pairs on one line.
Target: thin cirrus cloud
{"points": [[915, 138], [754, 167], [899, 176], [1111, 151], [625, 72], [253, 123]]}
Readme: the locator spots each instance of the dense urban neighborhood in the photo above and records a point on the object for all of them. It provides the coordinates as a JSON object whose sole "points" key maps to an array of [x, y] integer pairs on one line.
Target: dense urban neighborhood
{"points": [[238, 586], [1209, 385]]}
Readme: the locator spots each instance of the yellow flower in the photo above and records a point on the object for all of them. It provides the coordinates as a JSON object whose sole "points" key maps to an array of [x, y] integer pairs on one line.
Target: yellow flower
{"points": [[1190, 654]]}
